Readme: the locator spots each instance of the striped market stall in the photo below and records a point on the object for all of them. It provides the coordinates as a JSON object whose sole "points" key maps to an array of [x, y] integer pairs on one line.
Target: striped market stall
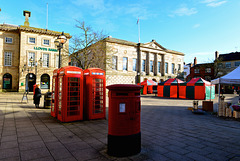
{"points": [[197, 89], [169, 88], [147, 86]]}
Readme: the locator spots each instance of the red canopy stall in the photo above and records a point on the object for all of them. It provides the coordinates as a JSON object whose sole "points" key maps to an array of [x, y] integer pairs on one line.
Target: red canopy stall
{"points": [[169, 88], [198, 89], [147, 86]]}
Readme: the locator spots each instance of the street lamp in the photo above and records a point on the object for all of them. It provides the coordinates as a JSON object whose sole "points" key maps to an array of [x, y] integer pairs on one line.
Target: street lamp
{"points": [[38, 63], [61, 39]]}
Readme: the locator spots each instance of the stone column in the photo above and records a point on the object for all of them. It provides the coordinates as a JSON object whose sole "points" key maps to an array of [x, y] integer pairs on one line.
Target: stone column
{"points": [[163, 65], [147, 63], [155, 66]]}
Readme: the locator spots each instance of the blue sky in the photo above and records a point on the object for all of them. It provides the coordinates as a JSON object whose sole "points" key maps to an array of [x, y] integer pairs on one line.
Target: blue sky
{"points": [[197, 28]]}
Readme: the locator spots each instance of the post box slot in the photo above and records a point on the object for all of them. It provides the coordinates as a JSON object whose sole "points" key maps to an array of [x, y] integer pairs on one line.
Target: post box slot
{"points": [[121, 94], [137, 94]]}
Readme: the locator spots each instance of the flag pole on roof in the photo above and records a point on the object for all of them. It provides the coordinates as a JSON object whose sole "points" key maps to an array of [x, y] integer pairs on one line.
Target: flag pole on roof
{"points": [[138, 23]]}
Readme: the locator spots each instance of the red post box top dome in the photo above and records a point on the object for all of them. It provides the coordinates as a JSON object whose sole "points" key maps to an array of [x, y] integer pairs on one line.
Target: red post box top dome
{"points": [[70, 70], [94, 71], [124, 87]]}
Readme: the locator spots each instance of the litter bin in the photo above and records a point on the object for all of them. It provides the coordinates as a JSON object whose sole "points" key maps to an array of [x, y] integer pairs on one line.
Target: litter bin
{"points": [[47, 99], [124, 135]]}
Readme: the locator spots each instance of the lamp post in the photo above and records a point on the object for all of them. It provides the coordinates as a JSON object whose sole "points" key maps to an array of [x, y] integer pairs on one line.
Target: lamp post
{"points": [[37, 64], [61, 39], [31, 61]]}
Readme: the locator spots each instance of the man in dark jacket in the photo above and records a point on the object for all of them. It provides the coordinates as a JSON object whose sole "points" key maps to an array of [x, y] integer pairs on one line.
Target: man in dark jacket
{"points": [[37, 96]]}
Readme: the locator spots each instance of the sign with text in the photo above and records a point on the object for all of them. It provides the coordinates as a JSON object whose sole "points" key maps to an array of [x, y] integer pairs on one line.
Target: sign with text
{"points": [[45, 49]]}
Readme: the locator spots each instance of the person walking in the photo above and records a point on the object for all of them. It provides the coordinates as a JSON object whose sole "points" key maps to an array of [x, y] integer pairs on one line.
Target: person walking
{"points": [[37, 96]]}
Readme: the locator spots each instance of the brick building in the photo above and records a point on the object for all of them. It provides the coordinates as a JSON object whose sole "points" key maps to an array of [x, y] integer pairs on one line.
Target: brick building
{"points": [[222, 65], [28, 56], [205, 71]]}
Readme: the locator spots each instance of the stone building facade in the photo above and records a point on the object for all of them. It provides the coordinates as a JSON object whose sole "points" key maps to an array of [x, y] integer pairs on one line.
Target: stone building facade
{"points": [[131, 62], [28, 56]]}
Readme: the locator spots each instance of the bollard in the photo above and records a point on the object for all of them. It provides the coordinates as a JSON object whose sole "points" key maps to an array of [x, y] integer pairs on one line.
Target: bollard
{"points": [[195, 105]]}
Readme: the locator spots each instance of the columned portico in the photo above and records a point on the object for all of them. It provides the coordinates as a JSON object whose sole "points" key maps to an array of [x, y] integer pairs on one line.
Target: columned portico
{"points": [[145, 61]]}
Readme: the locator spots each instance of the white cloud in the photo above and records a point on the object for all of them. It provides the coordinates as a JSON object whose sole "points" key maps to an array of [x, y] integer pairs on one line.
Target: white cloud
{"points": [[216, 4], [213, 3], [196, 26], [184, 11]]}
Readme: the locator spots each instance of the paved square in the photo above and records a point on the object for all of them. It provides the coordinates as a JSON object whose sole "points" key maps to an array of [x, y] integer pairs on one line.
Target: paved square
{"points": [[169, 132]]}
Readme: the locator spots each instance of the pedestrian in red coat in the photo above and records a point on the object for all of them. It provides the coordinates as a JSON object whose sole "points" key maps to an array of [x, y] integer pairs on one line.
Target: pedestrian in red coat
{"points": [[37, 96]]}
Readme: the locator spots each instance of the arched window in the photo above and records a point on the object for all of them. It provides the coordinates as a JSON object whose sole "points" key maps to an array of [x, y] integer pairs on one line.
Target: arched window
{"points": [[7, 81], [45, 81]]}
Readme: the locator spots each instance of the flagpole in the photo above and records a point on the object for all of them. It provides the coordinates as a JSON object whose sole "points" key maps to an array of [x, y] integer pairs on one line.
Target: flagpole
{"points": [[47, 17], [138, 22]]}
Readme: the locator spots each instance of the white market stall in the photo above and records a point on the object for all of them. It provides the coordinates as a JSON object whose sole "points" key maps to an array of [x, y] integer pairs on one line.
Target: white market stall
{"points": [[230, 78]]}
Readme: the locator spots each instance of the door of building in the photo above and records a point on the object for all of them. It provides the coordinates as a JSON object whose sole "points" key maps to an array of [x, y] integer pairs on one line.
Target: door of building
{"points": [[7, 81], [30, 81]]}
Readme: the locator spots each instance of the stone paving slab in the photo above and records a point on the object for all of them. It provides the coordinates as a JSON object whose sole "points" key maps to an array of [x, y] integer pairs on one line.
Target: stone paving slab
{"points": [[169, 132]]}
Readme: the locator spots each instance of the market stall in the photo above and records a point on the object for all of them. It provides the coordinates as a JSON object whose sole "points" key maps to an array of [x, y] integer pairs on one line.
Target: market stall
{"points": [[169, 88], [147, 86], [232, 78], [197, 89]]}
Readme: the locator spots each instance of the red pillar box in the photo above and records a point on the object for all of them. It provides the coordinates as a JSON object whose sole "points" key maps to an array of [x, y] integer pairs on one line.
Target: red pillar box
{"points": [[54, 103], [94, 94], [70, 94], [124, 136]]}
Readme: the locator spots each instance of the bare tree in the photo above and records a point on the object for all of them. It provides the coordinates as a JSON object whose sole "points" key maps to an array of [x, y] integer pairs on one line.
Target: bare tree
{"points": [[88, 49], [218, 68]]}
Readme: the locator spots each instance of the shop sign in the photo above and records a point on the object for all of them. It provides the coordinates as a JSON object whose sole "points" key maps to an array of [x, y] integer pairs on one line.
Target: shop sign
{"points": [[45, 49]]}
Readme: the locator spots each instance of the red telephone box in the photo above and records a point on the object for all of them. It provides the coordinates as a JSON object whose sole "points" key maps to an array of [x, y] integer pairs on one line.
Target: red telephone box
{"points": [[124, 136], [54, 103], [94, 94], [70, 94]]}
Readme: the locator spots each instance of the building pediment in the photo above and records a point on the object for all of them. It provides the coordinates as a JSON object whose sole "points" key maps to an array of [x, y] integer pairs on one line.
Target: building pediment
{"points": [[154, 45]]}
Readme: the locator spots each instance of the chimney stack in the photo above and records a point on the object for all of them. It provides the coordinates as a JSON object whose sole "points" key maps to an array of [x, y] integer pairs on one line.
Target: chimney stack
{"points": [[216, 55], [195, 61], [27, 14]]}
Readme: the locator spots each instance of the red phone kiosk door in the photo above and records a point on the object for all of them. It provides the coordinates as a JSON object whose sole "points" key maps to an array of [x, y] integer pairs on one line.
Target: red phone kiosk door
{"points": [[54, 103], [94, 94], [70, 94]]}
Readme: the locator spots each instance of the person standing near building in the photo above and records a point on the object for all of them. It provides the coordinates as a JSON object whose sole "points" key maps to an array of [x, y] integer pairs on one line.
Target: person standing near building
{"points": [[37, 96]]}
